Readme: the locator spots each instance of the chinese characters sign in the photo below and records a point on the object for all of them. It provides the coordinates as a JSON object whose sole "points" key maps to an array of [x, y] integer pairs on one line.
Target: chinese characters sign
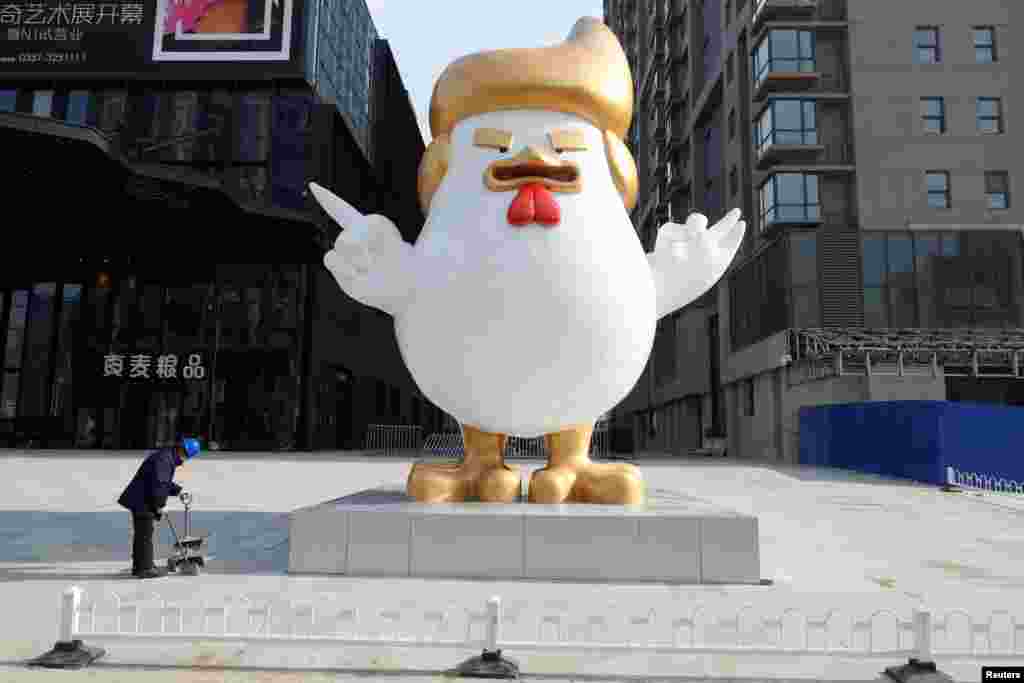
{"points": [[136, 37], [146, 366], [61, 35]]}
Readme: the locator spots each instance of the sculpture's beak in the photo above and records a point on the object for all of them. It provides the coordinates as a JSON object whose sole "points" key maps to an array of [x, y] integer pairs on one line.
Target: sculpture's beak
{"points": [[533, 165]]}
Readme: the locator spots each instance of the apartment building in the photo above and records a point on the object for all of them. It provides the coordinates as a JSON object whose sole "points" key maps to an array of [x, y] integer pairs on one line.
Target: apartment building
{"points": [[872, 150]]}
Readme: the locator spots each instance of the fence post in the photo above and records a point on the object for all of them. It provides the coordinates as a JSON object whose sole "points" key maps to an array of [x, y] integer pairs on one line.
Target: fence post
{"points": [[69, 653], [920, 668], [490, 664], [493, 624]]}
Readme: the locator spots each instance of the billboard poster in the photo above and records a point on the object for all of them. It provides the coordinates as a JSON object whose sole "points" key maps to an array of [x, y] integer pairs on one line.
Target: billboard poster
{"points": [[191, 39], [222, 30]]}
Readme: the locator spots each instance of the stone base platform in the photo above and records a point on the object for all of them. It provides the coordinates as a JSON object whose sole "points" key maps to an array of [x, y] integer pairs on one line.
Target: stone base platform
{"points": [[383, 532]]}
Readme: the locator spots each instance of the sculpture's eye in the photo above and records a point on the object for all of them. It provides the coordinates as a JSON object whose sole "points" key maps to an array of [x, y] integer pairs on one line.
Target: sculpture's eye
{"points": [[493, 139], [568, 141]]}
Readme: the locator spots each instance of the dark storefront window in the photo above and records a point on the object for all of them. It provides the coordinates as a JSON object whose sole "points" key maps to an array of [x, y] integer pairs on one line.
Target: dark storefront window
{"points": [[35, 370], [291, 149], [944, 279], [62, 401], [249, 169], [13, 346], [78, 107], [110, 110], [8, 100]]}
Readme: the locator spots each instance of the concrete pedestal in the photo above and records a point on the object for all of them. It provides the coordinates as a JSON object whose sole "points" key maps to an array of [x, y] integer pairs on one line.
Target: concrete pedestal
{"points": [[383, 532]]}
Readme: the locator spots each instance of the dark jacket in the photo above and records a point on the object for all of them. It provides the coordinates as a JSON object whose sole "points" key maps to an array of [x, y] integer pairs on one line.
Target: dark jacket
{"points": [[148, 490]]}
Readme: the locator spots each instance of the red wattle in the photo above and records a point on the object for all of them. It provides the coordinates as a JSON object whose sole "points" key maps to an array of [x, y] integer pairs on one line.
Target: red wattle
{"points": [[522, 210], [546, 207]]}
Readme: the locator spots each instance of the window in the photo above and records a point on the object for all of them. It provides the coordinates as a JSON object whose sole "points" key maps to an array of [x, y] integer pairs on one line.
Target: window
{"points": [[938, 189], [990, 115], [748, 397], [803, 269], [997, 189], [8, 100], [78, 107], [734, 181], [42, 103], [784, 51], [732, 124], [790, 198], [730, 68], [926, 45], [786, 122], [984, 44], [933, 114]]}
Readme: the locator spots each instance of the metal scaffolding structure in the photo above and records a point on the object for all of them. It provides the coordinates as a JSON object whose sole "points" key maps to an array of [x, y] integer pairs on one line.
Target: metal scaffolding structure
{"points": [[951, 352]]}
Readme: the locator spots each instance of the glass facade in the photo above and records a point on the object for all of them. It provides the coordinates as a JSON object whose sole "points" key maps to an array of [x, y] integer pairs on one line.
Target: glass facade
{"points": [[760, 301], [942, 279], [783, 50], [130, 359], [258, 142], [339, 37]]}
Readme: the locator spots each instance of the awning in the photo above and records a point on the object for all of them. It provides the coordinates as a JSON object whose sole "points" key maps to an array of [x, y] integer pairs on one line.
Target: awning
{"points": [[69, 190], [959, 352]]}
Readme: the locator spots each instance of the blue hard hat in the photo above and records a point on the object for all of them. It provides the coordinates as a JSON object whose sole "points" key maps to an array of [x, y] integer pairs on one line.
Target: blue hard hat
{"points": [[191, 447]]}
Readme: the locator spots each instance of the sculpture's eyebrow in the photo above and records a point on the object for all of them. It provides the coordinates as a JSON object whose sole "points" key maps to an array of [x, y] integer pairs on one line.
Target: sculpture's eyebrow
{"points": [[492, 137], [568, 140]]}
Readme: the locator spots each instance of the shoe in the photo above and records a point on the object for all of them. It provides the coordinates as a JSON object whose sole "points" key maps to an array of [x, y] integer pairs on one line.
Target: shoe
{"points": [[151, 573]]}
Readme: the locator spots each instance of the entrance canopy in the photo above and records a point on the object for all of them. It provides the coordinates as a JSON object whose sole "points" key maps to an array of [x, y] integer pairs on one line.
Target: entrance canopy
{"points": [[958, 352], [71, 194]]}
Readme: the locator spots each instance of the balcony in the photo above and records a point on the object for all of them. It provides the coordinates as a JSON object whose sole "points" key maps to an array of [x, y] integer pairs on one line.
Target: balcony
{"points": [[771, 153], [789, 200], [781, 10], [786, 75]]}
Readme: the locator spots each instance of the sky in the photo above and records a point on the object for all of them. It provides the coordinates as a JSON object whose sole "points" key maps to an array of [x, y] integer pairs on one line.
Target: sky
{"points": [[426, 36]]}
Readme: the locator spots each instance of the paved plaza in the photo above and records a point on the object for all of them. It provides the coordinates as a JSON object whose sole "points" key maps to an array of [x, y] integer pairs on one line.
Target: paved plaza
{"points": [[829, 541]]}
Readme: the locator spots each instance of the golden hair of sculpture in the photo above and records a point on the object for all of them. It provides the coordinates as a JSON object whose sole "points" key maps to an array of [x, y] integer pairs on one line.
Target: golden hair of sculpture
{"points": [[587, 75]]}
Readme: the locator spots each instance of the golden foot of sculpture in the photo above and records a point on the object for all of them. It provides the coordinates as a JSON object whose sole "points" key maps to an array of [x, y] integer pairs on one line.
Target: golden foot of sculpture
{"points": [[482, 474], [571, 477]]}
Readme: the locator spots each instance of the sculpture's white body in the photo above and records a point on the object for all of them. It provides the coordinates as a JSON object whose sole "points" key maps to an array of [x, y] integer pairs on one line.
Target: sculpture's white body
{"points": [[526, 330]]}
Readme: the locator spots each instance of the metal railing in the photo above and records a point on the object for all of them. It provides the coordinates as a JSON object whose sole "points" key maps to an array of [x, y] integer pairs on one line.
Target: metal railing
{"points": [[643, 631], [394, 439], [982, 482], [449, 444]]}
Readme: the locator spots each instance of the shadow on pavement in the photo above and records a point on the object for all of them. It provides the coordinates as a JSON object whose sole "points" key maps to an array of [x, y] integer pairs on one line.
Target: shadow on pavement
{"points": [[236, 543]]}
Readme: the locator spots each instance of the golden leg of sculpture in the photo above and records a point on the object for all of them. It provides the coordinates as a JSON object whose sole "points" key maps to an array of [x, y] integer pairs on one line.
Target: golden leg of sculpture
{"points": [[571, 477], [482, 473]]}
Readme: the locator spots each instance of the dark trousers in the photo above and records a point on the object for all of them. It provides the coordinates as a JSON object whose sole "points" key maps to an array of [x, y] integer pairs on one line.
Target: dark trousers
{"points": [[142, 542]]}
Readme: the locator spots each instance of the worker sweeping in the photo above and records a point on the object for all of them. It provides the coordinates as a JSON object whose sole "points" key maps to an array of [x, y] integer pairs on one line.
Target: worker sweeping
{"points": [[145, 497]]}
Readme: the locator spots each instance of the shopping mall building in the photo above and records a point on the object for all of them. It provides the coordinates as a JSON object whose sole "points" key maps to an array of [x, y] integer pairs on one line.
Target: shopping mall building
{"points": [[165, 275]]}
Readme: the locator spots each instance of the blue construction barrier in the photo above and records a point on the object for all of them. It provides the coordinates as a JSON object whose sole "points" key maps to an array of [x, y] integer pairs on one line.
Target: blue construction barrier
{"points": [[915, 440]]}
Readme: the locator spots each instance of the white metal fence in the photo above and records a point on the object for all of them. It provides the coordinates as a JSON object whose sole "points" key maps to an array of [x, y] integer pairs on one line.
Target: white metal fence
{"points": [[394, 439], [449, 444], [922, 636], [971, 480]]}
